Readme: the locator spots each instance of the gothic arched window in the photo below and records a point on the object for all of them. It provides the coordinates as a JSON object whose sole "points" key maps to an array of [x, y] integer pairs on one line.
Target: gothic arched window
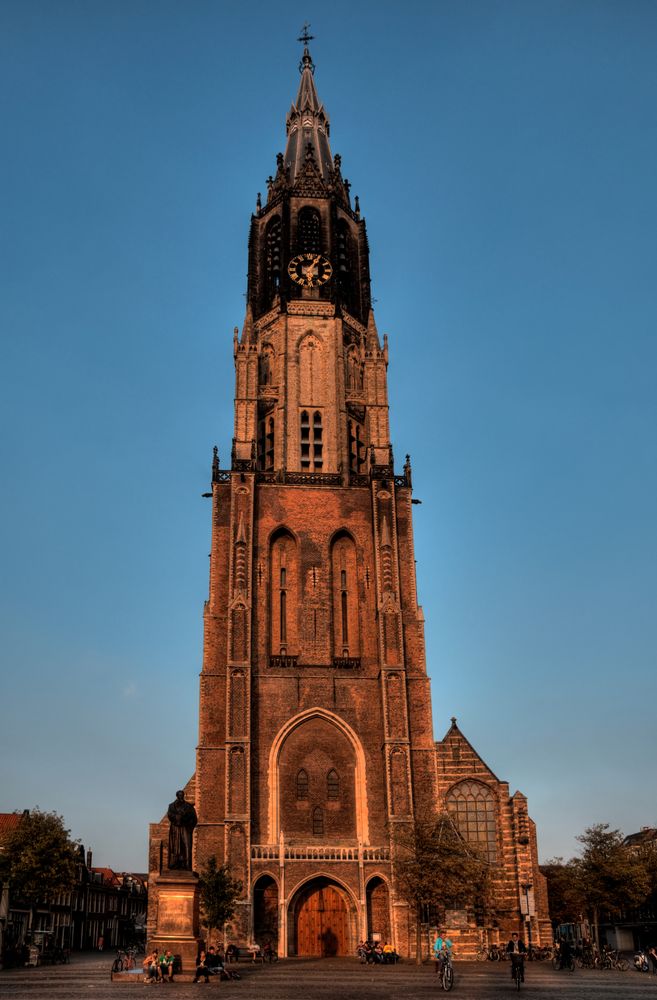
{"points": [[309, 231], [302, 784], [305, 441], [344, 572], [312, 457], [318, 821], [472, 806], [284, 595], [318, 458], [332, 785]]}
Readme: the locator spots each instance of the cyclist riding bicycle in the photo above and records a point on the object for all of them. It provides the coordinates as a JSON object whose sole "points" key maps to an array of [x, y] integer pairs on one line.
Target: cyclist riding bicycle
{"points": [[442, 950], [516, 951]]}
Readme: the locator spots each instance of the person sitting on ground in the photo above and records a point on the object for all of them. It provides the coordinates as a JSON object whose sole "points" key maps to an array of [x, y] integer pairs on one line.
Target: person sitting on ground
{"points": [[389, 954], [213, 962], [201, 968], [232, 953], [165, 963], [378, 952], [516, 951], [150, 967]]}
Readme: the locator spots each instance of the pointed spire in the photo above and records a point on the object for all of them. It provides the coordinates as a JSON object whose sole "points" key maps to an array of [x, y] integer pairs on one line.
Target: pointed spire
{"points": [[247, 329], [307, 122], [372, 334]]}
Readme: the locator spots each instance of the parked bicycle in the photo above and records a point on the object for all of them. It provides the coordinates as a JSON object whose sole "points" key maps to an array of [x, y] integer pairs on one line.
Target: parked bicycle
{"points": [[612, 960], [125, 960]]}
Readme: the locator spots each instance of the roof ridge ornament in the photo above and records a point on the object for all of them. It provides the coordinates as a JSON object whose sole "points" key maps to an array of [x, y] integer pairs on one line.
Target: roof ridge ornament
{"points": [[306, 60]]}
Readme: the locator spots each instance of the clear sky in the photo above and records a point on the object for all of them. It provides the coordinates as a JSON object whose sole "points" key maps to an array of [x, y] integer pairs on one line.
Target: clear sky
{"points": [[505, 154]]}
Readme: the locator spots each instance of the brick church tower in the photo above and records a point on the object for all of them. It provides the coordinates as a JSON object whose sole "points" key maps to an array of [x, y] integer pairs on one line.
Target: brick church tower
{"points": [[315, 730]]}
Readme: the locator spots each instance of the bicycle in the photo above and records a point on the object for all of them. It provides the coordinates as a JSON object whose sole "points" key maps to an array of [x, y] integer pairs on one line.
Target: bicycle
{"points": [[612, 960], [446, 973], [516, 972], [482, 954]]}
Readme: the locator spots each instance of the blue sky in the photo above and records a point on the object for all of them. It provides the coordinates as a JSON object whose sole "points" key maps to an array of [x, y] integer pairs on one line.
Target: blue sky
{"points": [[505, 155]]}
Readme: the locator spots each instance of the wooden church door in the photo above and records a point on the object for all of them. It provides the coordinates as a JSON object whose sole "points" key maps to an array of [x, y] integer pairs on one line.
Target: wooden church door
{"points": [[323, 924]]}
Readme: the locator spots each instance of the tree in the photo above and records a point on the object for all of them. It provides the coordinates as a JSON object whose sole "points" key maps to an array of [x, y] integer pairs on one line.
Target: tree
{"points": [[39, 858], [435, 867], [610, 876], [218, 894], [564, 892]]}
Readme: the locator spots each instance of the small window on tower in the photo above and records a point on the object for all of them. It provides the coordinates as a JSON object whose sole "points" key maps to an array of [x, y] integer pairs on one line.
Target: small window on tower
{"points": [[305, 441], [332, 786], [318, 821], [302, 785]]}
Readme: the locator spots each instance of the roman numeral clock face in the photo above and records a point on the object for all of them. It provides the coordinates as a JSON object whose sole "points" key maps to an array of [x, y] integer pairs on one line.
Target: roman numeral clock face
{"points": [[310, 270]]}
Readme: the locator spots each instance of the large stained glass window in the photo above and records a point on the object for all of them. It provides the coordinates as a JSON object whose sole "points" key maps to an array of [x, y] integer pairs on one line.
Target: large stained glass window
{"points": [[472, 805]]}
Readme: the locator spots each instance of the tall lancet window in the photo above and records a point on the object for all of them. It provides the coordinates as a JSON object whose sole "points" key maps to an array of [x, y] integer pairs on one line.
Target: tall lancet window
{"points": [[283, 596], [311, 442], [344, 610], [346, 630]]}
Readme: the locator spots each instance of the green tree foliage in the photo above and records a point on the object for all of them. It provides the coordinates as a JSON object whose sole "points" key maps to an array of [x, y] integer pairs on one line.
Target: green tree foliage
{"points": [[610, 877], [218, 894], [435, 867], [39, 858], [565, 897]]}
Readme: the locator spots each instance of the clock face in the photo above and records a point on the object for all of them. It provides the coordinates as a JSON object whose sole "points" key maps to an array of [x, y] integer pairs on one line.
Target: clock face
{"points": [[309, 270]]}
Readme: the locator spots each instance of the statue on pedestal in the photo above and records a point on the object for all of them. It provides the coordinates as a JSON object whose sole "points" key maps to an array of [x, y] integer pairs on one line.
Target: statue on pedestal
{"points": [[182, 818]]}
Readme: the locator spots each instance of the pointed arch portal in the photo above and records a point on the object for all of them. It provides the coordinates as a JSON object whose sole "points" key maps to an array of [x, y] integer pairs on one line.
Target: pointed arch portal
{"points": [[322, 920]]}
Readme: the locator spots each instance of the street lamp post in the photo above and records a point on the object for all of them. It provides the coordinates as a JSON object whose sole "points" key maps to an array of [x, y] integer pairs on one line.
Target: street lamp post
{"points": [[526, 886]]}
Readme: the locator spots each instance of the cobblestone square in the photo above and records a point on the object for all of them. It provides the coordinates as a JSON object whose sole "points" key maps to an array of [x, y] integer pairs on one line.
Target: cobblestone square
{"points": [[298, 979]]}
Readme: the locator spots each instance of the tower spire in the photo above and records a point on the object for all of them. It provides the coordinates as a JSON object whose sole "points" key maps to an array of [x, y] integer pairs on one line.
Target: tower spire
{"points": [[307, 123]]}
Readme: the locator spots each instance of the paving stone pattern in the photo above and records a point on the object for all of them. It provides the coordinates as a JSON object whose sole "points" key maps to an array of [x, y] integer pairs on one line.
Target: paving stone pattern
{"points": [[316, 979]]}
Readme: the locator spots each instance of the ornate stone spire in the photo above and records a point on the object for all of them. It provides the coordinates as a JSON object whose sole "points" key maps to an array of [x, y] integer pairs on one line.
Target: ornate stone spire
{"points": [[307, 123]]}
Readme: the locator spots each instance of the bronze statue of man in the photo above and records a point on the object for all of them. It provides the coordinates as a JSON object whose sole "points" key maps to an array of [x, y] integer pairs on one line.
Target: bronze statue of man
{"points": [[182, 819]]}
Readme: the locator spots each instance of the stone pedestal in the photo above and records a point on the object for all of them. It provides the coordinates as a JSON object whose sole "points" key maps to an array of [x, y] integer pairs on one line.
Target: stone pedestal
{"points": [[177, 916]]}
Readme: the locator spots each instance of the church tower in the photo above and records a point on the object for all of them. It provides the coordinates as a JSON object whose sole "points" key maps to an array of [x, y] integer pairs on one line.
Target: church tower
{"points": [[315, 731]]}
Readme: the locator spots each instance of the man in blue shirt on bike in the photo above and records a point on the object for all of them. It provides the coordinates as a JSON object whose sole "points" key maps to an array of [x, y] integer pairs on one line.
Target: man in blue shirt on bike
{"points": [[442, 949]]}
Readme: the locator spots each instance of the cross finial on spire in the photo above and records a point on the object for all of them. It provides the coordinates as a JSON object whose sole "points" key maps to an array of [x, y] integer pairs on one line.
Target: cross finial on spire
{"points": [[306, 60], [304, 36]]}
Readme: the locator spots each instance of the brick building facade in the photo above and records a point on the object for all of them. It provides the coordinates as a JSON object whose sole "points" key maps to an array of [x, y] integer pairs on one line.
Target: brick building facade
{"points": [[315, 730]]}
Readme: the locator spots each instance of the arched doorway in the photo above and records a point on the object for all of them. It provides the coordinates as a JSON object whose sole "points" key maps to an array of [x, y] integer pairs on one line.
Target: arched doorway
{"points": [[322, 916], [378, 909], [265, 911]]}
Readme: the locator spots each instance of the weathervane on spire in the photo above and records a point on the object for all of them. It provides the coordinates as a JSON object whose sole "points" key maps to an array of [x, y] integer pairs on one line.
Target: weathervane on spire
{"points": [[306, 60]]}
